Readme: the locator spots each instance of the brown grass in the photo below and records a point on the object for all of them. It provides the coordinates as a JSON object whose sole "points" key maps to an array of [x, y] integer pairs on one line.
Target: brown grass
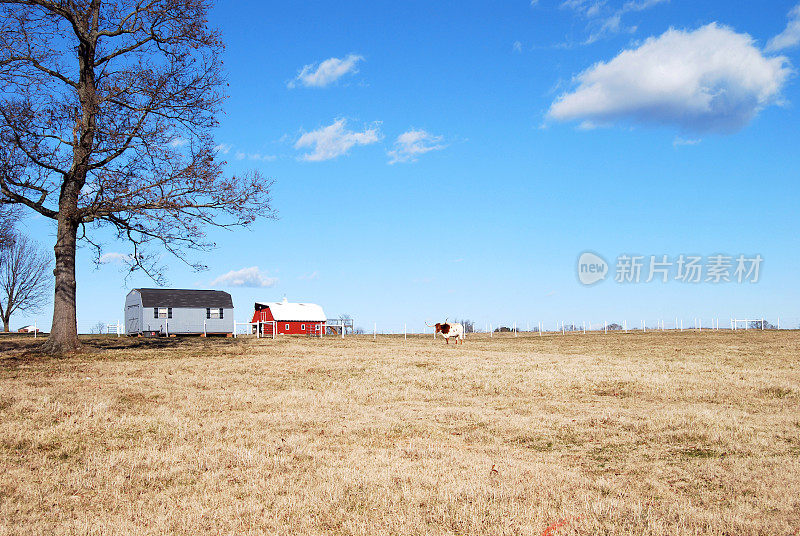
{"points": [[657, 433]]}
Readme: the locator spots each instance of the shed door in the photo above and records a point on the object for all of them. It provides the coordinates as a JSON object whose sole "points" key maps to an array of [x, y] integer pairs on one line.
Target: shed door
{"points": [[133, 319]]}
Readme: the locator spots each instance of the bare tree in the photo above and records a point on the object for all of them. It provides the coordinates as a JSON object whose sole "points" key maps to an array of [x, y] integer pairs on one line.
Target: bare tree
{"points": [[106, 116], [25, 275], [7, 218]]}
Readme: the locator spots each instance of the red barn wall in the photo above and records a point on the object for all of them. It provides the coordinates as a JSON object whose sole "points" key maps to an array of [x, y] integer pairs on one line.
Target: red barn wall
{"points": [[292, 327]]}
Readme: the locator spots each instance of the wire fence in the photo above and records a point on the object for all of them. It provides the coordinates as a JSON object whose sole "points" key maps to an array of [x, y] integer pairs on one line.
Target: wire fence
{"points": [[116, 327]]}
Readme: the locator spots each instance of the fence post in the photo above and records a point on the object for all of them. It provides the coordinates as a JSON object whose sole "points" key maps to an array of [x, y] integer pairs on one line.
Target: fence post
{"points": [[584, 327], [605, 327], [35, 329], [515, 329], [405, 331], [625, 325], [541, 325]]}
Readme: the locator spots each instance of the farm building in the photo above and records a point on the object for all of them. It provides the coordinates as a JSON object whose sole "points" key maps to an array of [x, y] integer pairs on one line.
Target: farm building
{"points": [[178, 312], [289, 318], [27, 329]]}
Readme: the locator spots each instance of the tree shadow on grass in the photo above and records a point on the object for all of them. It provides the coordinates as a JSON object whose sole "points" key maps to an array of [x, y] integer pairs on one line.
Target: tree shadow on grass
{"points": [[19, 350]]}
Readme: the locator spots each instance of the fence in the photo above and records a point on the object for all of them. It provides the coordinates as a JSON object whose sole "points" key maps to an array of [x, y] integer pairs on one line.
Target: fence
{"points": [[492, 328], [516, 328]]}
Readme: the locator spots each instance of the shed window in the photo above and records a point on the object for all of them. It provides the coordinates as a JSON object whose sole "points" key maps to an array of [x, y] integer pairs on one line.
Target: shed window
{"points": [[287, 327], [155, 312], [303, 327], [216, 312], [164, 312]]}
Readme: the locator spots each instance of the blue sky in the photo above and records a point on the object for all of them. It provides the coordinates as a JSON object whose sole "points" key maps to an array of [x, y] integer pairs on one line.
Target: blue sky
{"points": [[441, 159]]}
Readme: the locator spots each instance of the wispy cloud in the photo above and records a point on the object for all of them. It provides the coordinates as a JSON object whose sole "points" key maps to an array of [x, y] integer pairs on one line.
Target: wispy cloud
{"points": [[178, 142], [335, 140], [326, 72], [411, 144], [604, 18], [113, 257], [788, 38], [246, 277], [241, 155], [709, 79], [310, 276], [517, 47], [223, 148], [678, 141]]}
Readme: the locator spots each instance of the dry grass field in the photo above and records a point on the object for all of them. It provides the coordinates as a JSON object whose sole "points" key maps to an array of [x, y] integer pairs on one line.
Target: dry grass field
{"points": [[657, 433]]}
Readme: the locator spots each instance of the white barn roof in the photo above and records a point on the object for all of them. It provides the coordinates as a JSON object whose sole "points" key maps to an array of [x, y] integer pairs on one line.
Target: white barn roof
{"points": [[286, 311]]}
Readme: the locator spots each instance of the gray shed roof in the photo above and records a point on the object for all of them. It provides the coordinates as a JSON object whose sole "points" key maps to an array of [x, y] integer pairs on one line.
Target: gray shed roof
{"points": [[176, 297]]}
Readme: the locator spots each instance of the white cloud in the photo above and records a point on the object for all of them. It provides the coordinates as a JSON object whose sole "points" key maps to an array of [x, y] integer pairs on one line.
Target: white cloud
{"points": [[587, 8], [246, 277], [241, 155], [410, 145], [517, 46], [605, 19], [113, 257], [309, 277], [334, 140], [223, 148], [678, 141], [326, 72], [709, 79], [178, 142], [789, 37]]}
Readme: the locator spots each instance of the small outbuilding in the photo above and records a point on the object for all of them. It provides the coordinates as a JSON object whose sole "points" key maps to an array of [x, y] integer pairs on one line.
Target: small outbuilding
{"points": [[170, 312], [289, 318], [27, 329]]}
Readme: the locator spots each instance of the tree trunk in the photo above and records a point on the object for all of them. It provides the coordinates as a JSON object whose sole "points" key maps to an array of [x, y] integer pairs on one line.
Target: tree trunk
{"points": [[5, 325], [63, 337]]}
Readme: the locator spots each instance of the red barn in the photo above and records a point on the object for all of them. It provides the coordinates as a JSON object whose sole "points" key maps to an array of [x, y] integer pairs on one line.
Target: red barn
{"points": [[289, 318]]}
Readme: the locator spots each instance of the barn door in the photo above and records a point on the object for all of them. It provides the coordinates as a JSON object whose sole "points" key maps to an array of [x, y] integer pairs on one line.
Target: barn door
{"points": [[133, 319]]}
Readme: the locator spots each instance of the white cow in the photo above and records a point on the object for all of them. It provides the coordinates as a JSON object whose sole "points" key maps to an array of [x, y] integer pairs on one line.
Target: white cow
{"points": [[449, 329]]}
